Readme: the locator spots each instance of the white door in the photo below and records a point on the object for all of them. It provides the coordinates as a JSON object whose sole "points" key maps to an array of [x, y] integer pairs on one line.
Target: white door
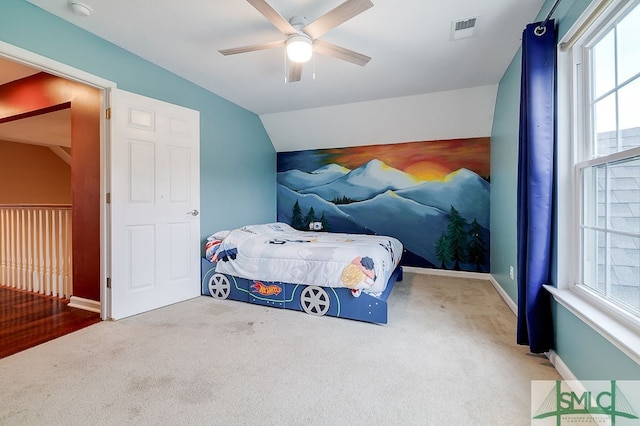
{"points": [[155, 203]]}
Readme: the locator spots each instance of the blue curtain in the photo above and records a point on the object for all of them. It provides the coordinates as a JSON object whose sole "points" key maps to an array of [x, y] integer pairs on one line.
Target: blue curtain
{"points": [[535, 185]]}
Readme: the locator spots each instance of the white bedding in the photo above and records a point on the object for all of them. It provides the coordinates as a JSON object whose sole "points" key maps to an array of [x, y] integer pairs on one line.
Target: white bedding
{"points": [[277, 252]]}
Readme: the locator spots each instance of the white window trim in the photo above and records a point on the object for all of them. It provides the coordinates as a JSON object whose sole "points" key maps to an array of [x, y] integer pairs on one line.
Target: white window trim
{"points": [[618, 331], [621, 329]]}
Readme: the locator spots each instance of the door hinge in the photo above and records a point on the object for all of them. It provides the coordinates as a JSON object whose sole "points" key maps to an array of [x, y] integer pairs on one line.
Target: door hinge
{"points": [[108, 198], [108, 282], [107, 113]]}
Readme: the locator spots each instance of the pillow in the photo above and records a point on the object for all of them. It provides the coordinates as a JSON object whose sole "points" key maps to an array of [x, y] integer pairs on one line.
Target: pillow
{"points": [[211, 249], [220, 235]]}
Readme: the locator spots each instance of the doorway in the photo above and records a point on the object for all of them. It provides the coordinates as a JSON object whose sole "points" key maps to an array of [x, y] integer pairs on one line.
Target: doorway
{"points": [[30, 319], [170, 135]]}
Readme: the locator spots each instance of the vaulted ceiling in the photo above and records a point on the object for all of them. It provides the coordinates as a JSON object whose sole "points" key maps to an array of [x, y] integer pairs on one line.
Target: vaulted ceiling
{"points": [[413, 47], [411, 43]]}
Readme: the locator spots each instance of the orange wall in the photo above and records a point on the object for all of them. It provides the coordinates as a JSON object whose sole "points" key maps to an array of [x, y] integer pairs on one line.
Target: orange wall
{"points": [[43, 92], [31, 174]]}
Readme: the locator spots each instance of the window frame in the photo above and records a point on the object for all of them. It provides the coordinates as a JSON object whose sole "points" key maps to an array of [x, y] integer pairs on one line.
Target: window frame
{"points": [[619, 327]]}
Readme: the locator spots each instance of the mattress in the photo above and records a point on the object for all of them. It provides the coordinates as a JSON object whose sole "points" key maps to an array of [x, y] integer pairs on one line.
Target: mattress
{"points": [[276, 252]]}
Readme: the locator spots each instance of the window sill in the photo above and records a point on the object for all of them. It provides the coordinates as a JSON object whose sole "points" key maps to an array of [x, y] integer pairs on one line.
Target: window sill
{"points": [[618, 331]]}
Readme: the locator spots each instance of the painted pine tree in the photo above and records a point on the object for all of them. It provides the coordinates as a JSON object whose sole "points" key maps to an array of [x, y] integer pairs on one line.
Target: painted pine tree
{"points": [[325, 223], [442, 251], [310, 217], [457, 238], [476, 251], [297, 222]]}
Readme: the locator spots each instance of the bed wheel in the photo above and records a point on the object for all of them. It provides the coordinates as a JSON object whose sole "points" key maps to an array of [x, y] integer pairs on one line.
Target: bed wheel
{"points": [[314, 300], [219, 286]]}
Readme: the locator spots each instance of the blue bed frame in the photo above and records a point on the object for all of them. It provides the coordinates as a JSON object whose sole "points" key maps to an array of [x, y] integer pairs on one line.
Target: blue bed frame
{"points": [[332, 301]]}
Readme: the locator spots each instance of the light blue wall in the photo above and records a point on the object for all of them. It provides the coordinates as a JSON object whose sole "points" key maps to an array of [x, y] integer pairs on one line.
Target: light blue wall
{"points": [[237, 159], [587, 354], [504, 176]]}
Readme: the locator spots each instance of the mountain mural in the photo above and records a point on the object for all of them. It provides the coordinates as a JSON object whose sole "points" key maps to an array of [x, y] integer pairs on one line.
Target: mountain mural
{"points": [[461, 184], [297, 180], [443, 222], [365, 182]]}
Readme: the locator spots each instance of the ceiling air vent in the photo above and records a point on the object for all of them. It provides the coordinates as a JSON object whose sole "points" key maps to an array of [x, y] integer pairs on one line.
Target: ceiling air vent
{"points": [[463, 28]]}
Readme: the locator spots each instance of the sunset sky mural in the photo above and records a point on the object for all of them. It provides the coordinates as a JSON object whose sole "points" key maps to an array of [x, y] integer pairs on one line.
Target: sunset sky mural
{"points": [[431, 160]]}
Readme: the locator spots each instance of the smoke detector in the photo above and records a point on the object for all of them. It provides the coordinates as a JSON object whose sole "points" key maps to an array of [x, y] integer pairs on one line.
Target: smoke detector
{"points": [[79, 8]]}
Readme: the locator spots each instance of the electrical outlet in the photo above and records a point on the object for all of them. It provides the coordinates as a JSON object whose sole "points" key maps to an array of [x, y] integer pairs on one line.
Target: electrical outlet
{"points": [[511, 272]]}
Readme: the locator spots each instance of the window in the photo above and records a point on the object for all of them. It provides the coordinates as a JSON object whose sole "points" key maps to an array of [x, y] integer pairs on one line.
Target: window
{"points": [[606, 67]]}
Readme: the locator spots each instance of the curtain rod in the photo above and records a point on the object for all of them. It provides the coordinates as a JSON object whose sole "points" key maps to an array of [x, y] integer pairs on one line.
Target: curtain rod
{"points": [[544, 23], [585, 25]]}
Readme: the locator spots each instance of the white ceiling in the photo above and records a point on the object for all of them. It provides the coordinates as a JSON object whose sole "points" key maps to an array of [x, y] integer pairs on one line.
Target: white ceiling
{"points": [[408, 40]]}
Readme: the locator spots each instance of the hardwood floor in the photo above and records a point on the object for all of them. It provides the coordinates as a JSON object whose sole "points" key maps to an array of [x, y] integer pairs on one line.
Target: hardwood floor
{"points": [[27, 320]]}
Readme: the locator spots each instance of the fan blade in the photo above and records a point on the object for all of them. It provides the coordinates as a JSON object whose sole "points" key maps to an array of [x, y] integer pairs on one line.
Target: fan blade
{"points": [[295, 72], [253, 47], [274, 17], [330, 49], [337, 16]]}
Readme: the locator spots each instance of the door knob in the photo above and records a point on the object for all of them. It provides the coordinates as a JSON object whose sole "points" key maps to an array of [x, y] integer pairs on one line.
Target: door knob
{"points": [[194, 212]]}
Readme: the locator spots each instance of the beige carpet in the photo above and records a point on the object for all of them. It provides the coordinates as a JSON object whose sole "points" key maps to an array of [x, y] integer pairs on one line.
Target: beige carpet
{"points": [[447, 357]]}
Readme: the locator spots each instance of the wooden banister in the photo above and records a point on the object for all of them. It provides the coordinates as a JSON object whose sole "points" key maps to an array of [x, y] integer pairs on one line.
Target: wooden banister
{"points": [[35, 249]]}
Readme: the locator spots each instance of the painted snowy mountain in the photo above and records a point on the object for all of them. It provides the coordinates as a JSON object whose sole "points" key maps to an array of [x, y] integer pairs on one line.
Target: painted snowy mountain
{"points": [[337, 219], [463, 189], [365, 182], [417, 226], [297, 179]]}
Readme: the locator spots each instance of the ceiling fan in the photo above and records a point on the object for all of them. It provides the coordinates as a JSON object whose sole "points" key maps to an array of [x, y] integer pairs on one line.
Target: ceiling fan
{"points": [[302, 38]]}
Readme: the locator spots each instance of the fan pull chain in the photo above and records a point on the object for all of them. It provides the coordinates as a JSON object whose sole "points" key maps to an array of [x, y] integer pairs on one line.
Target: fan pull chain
{"points": [[285, 65], [313, 65]]}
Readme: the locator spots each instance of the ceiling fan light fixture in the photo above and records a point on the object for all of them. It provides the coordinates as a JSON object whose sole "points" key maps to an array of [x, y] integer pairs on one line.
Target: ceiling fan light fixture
{"points": [[299, 48]]}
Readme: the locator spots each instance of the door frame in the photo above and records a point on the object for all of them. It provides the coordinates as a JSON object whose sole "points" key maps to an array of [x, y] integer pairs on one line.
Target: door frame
{"points": [[34, 60]]}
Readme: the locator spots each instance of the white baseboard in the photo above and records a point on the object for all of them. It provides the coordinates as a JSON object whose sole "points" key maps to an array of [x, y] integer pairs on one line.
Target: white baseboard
{"points": [[86, 304], [560, 366], [465, 274], [512, 305], [446, 272]]}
